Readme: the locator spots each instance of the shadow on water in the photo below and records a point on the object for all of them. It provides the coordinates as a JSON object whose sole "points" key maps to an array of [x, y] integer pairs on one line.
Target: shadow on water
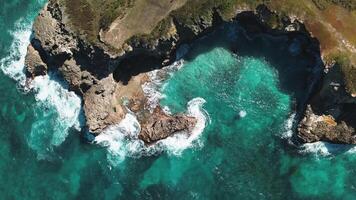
{"points": [[295, 55]]}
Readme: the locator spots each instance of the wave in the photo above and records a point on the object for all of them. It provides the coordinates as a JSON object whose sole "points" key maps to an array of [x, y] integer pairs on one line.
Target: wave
{"points": [[13, 64], [157, 78], [56, 106], [122, 140], [289, 127]]}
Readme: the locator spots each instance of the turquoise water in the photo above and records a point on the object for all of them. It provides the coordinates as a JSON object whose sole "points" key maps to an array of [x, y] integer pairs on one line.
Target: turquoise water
{"points": [[242, 153]]}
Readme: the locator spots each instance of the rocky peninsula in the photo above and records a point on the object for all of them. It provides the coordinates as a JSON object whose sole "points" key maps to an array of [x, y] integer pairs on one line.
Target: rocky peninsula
{"points": [[105, 51]]}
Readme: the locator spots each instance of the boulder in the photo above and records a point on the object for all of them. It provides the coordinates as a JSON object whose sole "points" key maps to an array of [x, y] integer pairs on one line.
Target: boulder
{"points": [[160, 126]]}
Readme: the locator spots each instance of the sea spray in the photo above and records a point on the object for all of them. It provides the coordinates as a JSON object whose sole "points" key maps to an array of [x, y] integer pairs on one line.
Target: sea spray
{"points": [[57, 109], [122, 140], [13, 64], [176, 144], [153, 87]]}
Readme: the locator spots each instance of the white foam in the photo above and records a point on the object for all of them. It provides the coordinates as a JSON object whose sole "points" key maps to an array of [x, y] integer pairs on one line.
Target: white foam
{"points": [[242, 113], [152, 88], [49, 93], [114, 138], [122, 140], [13, 64], [177, 143], [317, 148], [288, 127]]}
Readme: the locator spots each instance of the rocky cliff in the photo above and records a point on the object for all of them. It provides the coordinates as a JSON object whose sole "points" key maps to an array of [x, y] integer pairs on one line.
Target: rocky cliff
{"points": [[108, 71]]}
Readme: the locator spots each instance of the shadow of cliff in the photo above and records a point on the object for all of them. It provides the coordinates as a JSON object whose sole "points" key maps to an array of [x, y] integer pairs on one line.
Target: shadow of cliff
{"points": [[295, 55], [135, 65]]}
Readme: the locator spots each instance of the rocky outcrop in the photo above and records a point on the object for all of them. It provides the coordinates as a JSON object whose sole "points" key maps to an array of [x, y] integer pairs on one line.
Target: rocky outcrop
{"points": [[34, 63], [89, 71], [160, 126], [331, 114], [103, 77], [314, 128], [99, 109]]}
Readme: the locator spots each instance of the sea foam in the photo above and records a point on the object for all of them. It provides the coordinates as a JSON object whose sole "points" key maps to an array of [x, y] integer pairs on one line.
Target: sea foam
{"points": [[122, 140], [50, 94]]}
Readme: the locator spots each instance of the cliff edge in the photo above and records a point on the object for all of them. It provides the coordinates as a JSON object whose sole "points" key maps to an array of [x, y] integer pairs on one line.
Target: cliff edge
{"points": [[105, 49]]}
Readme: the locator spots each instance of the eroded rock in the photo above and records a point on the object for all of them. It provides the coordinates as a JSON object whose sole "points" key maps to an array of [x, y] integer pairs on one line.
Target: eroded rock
{"points": [[160, 126], [34, 64], [100, 111], [314, 128]]}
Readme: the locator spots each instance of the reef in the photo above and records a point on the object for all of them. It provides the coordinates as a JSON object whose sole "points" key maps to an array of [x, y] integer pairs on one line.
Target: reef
{"points": [[109, 69]]}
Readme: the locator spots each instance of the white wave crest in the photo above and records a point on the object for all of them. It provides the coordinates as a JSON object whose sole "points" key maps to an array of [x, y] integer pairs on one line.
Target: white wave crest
{"points": [[122, 140], [49, 93], [179, 142], [13, 64], [157, 77], [317, 148], [67, 104], [288, 127]]}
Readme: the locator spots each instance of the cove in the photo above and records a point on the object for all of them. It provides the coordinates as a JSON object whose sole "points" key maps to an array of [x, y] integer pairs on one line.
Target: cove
{"points": [[251, 85]]}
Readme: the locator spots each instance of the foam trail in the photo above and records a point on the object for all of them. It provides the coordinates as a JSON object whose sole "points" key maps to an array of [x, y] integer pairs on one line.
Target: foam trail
{"points": [[67, 104], [114, 138], [317, 148]]}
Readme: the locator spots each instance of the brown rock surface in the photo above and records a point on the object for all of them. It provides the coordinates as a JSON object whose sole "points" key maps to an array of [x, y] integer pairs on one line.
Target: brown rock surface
{"points": [[314, 128], [160, 126], [34, 64], [99, 109]]}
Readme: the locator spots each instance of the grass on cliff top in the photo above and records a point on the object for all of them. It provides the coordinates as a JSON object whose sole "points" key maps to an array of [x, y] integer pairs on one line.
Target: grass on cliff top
{"points": [[89, 16], [332, 21]]}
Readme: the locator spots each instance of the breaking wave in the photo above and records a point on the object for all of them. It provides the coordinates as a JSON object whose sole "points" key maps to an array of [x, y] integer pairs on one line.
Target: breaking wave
{"points": [[122, 140], [57, 109]]}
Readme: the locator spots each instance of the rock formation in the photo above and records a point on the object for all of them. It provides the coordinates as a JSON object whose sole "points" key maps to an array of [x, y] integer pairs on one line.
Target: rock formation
{"points": [[34, 63], [89, 71], [160, 125], [107, 76]]}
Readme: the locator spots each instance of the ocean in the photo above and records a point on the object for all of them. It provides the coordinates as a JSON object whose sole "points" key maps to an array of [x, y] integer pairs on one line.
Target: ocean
{"points": [[243, 93]]}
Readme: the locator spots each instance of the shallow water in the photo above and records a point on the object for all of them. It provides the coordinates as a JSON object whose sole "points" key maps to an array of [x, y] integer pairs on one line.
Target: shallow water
{"points": [[241, 154]]}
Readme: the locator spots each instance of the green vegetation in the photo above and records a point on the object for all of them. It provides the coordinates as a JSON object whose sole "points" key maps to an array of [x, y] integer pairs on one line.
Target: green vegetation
{"points": [[349, 71], [348, 4], [89, 16], [321, 17]]}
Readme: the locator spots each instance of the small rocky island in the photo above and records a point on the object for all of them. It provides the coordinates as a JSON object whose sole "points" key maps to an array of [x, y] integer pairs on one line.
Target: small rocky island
{"points": [[105, 50]]}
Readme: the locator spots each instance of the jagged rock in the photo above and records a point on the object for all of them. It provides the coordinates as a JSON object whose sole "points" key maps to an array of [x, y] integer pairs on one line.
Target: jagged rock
{"points": [[34, 64], [314, 128], [160, 126], [89, 71], [99, 109], [79, 81], [331, 114], [51, 35]]}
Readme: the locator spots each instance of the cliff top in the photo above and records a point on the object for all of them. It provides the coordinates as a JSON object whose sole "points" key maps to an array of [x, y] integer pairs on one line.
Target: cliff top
{"points": [[332, 22]]}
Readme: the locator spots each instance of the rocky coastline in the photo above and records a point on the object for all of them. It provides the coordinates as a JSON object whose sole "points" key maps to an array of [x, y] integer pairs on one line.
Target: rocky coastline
{"points": [[110, 81]]}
